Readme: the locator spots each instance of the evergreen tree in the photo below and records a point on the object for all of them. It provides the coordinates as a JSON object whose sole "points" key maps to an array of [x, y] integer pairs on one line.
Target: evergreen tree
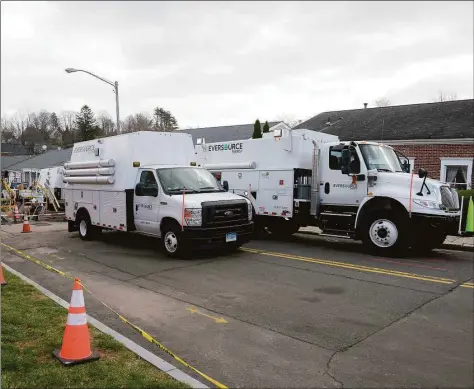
{"points": [[163, 120], [266, 128], [257, 130], [87, 127]]}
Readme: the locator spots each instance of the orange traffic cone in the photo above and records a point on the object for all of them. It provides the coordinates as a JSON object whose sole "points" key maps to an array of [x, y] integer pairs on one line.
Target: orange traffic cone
{"points": [[26, 225], [3, 281], [76, 346]]}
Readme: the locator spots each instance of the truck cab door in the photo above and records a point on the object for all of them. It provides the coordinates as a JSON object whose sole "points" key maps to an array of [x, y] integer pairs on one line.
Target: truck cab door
{"points": [[146, 203], [340, 189]]}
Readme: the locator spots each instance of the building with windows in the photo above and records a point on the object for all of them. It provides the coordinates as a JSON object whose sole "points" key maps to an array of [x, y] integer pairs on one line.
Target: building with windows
{"points": [[438, 137]]}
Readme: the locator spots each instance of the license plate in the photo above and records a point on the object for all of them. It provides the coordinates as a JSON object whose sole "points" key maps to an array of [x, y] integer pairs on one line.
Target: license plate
{"points": [[231, 237]]}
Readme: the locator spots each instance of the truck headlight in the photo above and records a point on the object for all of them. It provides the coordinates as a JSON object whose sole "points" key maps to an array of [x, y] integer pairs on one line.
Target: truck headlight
{"points": [[427, 203], [249, 209], [193, 217]]}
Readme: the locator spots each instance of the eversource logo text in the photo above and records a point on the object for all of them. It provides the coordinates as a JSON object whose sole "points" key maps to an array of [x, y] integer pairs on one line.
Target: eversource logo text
{"points": [[234, 147]]}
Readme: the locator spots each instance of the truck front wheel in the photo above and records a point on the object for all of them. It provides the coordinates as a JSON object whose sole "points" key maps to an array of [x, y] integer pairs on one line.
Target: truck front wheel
{"points": [[172, 241], [385, 234]]}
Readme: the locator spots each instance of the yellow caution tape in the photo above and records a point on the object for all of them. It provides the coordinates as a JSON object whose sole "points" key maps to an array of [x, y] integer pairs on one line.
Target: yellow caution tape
{"points": [[143, 333]]}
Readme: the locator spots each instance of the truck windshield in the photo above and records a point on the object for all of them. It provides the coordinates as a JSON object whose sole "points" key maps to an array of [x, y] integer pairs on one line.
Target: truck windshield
{"points": [[191, 180], [381, 158]]}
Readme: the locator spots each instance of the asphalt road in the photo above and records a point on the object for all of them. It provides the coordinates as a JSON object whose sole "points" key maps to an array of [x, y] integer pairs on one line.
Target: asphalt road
{"points": [[306, 312]]}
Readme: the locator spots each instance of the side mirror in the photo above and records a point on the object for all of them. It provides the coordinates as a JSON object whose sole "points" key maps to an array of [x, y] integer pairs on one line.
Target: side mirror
{"points": [[225, 185], [142, 190], [345, 161], [422, 173], [139, 189]]}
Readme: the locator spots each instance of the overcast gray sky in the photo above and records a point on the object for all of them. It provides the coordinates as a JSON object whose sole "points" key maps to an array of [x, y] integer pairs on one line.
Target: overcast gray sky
{"points": [[218, 63]]}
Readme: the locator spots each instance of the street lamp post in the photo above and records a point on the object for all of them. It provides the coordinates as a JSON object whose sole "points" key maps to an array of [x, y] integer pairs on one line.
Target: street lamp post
{"points": [[114, 84]]}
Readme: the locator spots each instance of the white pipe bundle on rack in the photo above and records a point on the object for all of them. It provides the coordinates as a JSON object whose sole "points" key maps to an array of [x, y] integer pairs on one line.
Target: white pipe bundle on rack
{"points": [[89, 180], [89, 164], [104, 171], [237, 165]]}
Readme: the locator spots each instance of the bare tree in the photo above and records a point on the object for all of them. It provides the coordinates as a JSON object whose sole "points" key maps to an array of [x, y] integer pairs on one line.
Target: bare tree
{"points": [[7, 129], [20, 123], [41, 122], [442, 96], [382, 102], [106, 123], [289, 120], [137, 122], [67, 120]]}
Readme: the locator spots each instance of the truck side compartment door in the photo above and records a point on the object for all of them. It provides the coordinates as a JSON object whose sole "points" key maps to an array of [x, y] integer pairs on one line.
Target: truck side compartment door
{"points": [[146, 203]]}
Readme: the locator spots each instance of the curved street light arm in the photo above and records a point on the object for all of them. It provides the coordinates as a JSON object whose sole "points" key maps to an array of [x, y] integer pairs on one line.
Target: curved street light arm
{"points": [[96, 76]]}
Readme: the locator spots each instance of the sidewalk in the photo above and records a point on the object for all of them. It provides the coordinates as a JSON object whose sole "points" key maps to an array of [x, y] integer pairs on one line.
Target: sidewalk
{"points": [[451, 243]]}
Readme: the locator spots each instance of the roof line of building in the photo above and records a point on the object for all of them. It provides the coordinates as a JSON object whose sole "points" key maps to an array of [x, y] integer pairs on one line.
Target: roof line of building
{"points": [[394, 106]]}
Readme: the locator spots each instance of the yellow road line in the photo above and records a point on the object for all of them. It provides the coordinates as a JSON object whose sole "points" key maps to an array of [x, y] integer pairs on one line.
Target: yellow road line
{"points": [[219, 320], [143, 333], [467, 285], [350, 266]]}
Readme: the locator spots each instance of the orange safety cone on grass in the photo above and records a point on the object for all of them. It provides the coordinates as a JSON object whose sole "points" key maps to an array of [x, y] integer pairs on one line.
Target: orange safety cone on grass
{"points": [[76, 347], [26, 225], [3, 281]]}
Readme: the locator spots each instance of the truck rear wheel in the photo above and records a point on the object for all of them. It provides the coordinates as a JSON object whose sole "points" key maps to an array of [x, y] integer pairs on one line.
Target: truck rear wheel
{"points": [[86, 230], [283, 228], [385, 234], [172, 241]]}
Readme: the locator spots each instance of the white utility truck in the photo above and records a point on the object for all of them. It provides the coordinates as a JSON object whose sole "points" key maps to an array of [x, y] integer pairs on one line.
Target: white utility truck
{"points": [[51, 179], [148, 182], [359, 190]]}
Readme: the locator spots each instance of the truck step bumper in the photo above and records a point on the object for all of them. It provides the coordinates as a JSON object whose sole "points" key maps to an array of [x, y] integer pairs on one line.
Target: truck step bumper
{"points": [[217, 236]]}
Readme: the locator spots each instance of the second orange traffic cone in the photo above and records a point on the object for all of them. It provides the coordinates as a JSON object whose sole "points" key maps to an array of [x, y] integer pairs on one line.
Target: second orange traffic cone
{"points": [[76, 346], [26, 225]]}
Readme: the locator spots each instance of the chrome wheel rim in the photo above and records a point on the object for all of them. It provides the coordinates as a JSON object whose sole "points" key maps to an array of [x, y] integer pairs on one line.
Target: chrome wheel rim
{"points": [[83, 228], [383, 233], [171, 242]]}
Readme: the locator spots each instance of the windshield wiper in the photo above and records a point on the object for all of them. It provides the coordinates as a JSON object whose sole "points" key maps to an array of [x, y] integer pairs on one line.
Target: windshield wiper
{"points": [[181, 190], [383, 170], [210, 188]]}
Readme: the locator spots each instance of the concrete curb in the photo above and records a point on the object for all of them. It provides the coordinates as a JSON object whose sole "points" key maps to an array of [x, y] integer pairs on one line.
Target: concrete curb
{"points": [[130, 344], [445, 246]]}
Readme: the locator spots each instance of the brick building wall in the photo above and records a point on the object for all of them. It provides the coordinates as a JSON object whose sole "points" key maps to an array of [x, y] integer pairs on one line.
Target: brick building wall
{"points": [[429, 156]]}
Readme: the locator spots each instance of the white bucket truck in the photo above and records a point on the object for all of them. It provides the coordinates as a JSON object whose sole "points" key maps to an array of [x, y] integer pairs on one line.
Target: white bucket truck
{"points": [[359, 190], [148, 182], [52, 179]]}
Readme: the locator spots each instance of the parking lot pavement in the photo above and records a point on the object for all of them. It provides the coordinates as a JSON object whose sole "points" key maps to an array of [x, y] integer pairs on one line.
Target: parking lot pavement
{"points": [[307, 312]]}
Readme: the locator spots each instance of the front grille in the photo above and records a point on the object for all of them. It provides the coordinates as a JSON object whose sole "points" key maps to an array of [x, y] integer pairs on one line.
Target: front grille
{"points": [[449, 198], [224, 213]]}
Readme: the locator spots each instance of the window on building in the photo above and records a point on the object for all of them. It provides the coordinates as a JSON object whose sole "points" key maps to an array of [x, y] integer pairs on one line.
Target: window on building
{"points": [[457, 172]]}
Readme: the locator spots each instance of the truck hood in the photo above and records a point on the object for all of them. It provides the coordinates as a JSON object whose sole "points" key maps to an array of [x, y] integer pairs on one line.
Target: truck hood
{"points": [[194, 200], [401, 181]]}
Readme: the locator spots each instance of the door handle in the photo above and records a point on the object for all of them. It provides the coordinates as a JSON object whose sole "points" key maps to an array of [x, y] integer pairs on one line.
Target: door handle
{"points": [[136, 207], [327, 188]]}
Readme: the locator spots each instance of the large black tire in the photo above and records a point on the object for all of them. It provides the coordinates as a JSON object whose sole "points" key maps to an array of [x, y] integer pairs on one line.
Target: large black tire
{"points": [[385, 234], [84, 225], [86, 230], [283, 229], [173, 242], [429, 240]]}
